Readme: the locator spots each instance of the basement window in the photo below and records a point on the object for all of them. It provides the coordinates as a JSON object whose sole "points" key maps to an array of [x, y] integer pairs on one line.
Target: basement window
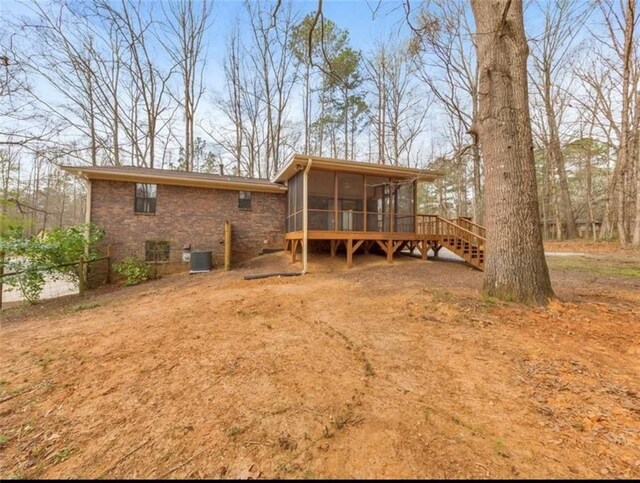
{"points": [[156, 251], [244, 200]]}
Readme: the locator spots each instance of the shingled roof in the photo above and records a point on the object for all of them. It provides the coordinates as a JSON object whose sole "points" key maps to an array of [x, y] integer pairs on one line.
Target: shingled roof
{"points": [[174, 177]]}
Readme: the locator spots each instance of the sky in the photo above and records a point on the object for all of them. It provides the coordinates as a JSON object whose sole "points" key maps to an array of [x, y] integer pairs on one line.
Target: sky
{"points": [[357, 16], [367, 21]]}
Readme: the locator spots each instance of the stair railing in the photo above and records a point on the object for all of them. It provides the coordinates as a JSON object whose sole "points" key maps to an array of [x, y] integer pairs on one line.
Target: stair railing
{"points": [[471, 226], [449, 229]]}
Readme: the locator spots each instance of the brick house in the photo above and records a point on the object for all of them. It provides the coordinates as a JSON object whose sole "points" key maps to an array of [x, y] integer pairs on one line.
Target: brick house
{"points": [[156, 214], [325, 203]]}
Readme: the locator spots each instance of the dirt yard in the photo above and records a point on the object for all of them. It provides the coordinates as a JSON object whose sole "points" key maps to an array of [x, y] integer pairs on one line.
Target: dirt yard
{"points": [[398, 370]]}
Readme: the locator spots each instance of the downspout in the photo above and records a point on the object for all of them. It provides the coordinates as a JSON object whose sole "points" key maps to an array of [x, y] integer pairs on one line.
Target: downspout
{"points": [[305, 215], [82, 267], [87, 213]]}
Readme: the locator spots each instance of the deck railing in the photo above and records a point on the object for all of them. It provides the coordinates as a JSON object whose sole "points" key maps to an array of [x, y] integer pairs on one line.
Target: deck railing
{"points": [[358, 221], [436, 226], [471, 226], [432, 226], [449, 229], [427, 225]]}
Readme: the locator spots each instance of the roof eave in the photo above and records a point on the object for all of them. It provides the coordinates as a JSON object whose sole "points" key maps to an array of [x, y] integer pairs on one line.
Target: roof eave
{"points": [[174, 180], [368, 168]]}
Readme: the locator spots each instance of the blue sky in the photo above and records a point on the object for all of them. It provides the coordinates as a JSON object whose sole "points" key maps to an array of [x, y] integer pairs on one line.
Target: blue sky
{"points": [[356, 16]]}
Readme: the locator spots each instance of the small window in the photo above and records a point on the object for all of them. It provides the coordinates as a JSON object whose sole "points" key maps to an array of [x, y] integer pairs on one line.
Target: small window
{"points": [[156, 251], [244, 200], [145, 198]]}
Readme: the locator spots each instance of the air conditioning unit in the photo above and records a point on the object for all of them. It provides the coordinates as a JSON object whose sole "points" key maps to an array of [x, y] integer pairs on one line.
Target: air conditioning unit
{"points": [[200, 262]]}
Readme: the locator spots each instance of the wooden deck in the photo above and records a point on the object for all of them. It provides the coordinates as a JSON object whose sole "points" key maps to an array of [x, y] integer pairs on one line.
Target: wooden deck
{"points": [[462, 237]]}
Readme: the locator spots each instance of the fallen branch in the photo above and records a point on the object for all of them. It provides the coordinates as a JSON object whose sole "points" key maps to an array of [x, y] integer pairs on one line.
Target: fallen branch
{"points": [[182, 465], [275, 274], [115, 465]]}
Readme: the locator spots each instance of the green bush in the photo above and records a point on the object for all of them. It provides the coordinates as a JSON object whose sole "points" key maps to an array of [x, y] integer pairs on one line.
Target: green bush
{"points": [[39, 257], [133, 269]]}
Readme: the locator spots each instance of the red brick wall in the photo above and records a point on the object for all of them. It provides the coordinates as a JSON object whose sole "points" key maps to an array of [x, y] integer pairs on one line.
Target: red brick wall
{"points": [[187, 215]]}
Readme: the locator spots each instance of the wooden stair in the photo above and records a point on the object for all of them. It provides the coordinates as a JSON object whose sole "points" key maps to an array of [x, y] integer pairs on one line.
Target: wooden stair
{"points": [[465, 239]]}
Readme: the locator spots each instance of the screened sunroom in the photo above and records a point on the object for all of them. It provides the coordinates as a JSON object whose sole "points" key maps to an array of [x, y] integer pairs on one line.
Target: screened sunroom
{"points": [[339, 201], [334, 202]]}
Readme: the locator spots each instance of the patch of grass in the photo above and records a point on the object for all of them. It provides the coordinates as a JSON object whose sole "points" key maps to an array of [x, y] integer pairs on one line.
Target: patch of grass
{"points": [[578, 426], [458, 421], [289, 468], [308, 475], [233, 431], [286, 442], [441, 295], [62, 455], [489, 300], [17, 390], [368, 369], [45, 360], [608, 267], [464, 424], [499, 449], [4, 439], [84, 306], [340, 421]]}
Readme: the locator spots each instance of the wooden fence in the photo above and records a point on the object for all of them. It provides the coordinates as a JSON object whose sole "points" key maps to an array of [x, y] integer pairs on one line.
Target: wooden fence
{"points": [[91, 273]]}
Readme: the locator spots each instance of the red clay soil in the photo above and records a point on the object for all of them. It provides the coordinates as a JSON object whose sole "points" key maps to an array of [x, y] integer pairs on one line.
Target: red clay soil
{"points": [[398, 370]]}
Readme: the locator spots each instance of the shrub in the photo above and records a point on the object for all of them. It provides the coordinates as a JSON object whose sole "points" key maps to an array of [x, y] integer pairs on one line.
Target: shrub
{"points": [[49, 256], [133, 269]]}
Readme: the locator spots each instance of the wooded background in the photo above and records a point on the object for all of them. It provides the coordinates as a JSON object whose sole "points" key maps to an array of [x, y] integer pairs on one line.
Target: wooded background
{"points": [[125, 82]]}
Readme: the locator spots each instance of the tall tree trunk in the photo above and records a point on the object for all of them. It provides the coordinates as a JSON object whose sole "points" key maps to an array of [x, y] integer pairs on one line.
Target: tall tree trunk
{"points": [[636, 129], [151, 135], [516, 268], [623, 152], [546, 197], [346, 123], [591, 229], [188, 145], [321, 121], [92, 119], [556, 211], [478, 209], [555, 152], [307, 110], [116, 136]]}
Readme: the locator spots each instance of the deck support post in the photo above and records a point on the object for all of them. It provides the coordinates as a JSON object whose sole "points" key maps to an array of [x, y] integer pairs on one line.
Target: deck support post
{"points": [[305, 216], [390, 251], [227, 245], [412, 247], [334, 246], [436, 248], [349, 253], [424, 248]]}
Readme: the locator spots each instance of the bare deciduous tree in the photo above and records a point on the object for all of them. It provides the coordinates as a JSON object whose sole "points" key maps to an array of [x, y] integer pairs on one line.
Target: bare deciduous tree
{"points": [[562, 22], [188, 22]]}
